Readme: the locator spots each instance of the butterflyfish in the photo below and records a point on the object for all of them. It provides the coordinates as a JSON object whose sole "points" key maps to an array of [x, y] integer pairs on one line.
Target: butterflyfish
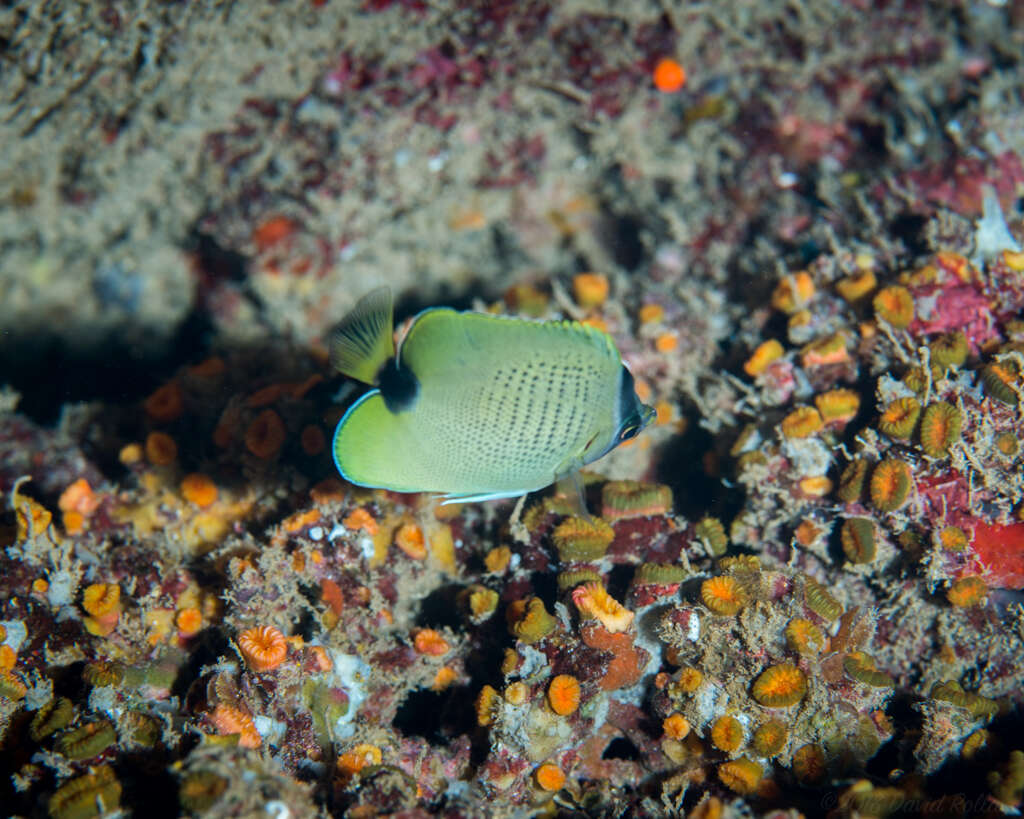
{"points": [[474, 406]]}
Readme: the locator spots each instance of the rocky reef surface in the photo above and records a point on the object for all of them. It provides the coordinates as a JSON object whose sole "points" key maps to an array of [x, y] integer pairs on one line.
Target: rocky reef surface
{"points": [[799, 592]]}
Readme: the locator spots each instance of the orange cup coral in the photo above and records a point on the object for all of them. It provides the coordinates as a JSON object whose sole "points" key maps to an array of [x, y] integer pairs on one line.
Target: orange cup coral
{"points": [[198, 489], [430, 642], [161, 450], [675, 726], [780, 686], [263, 647], [166, 404], [765, 354], [594, 601], [265, 435], [723, 595], [890, 485], [564, 694], [727, 734], [550, 777], [228, 720]]}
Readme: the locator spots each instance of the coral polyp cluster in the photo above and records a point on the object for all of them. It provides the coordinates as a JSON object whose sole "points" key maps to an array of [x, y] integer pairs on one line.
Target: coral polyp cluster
{"points": [[797, 591]]}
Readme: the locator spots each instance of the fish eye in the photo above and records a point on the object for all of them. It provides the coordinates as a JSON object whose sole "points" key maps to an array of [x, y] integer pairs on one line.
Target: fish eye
{"points": [[629, 432]]}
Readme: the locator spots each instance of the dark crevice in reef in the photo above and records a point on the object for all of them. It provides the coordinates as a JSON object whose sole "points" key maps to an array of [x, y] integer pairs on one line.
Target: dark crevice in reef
{"points": [[696, 493], [48, 374]]}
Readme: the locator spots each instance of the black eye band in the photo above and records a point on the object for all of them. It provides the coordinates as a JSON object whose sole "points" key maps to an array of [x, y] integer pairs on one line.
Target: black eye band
{"points": [[627, 396]]}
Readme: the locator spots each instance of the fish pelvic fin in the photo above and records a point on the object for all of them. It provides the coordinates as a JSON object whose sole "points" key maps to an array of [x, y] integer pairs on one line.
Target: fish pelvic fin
{"points": [[364, 340]]}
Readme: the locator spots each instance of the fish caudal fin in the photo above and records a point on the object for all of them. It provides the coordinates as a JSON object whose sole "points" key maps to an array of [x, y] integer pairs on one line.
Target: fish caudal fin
{"points": [[364, 340]]}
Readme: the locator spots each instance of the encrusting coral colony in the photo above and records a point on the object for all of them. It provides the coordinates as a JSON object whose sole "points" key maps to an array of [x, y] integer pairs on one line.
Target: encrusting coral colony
{"points": [[798, 592]]}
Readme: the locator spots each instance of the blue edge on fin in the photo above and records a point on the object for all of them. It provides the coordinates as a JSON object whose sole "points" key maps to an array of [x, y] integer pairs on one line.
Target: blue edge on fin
{"points": [[446, 498]]}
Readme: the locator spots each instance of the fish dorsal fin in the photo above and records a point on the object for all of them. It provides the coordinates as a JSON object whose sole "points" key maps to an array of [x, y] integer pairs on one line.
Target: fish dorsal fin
{"points": [[364, 341]]}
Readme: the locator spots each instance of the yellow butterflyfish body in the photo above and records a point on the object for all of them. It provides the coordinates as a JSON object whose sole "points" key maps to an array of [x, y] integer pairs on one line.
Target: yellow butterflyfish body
{"points": [[475, 406]]}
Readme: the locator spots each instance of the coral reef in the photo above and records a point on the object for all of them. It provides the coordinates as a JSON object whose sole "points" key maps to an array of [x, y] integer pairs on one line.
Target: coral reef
{"points": [[798, 591]]}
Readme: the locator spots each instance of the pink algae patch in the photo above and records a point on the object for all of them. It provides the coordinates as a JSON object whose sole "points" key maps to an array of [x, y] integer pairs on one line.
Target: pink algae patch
{"points": [[956, 307], [1000, 548]]}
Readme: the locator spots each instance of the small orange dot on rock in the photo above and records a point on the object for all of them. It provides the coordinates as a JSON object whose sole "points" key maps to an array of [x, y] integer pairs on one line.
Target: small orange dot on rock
{"points": [[668, 76], [666, 342]]}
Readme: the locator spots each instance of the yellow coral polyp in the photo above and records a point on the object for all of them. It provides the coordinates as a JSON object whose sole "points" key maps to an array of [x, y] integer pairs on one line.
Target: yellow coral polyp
{"points": [[740, 775], [862, 668], [857, 536], [198, 489], [967, 591], [894, 305], [497, 559], [780, 686], [727, 734], [593, 600], [161, 450], [430, 642], [487, 703], [770, 738], [829, 350], [409, 538], [590, 289], [634, 499], [793, 292], [517, 693], [675, 726], [952, 539], [890, 485], [854, 288], [820, 601], [762, 357], [809, 764], [801, 423], [32, 518], [689, 679], [837, 406], [940, 428], [815, 486], [529, 620], [723, 595], [804, 637], [101, 599], [582, 539], [900, 417], [189, 622]]}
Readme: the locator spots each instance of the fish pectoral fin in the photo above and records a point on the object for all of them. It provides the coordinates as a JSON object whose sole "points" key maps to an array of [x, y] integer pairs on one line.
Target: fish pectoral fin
{"points": [[364, 340], [571, 486]]}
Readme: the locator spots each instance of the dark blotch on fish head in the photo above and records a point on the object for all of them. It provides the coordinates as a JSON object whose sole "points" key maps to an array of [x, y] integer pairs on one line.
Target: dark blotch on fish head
{"points": [[634, 414], [398, 386]]}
